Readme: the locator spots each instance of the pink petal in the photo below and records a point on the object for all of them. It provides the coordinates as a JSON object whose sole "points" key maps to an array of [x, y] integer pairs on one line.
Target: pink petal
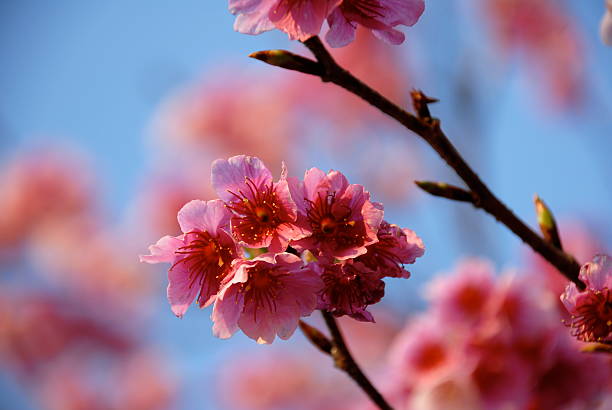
{"points": [[391, 36], [230, 175], [341, 31], [181, 292], [163, 250], [205, 216], [227, 310]]}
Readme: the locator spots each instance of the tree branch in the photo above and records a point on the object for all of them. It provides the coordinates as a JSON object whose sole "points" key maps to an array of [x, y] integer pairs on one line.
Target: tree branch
{"points": [[429, 130], [345, 362]]}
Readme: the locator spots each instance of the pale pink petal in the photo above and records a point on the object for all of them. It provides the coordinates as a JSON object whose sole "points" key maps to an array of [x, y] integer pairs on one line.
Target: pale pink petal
{"points": [[255, 22], [163, 250], [341, 31], [230, 175], [246, 6], [405, 12], [181, 292], [227, 310], [204, 216], [391, 36]]}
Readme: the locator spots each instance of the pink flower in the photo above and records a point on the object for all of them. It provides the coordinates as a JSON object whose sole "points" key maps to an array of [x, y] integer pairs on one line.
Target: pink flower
{"points": [[591, 309], [340, 217], [395, 247], [266, 297], [380, 16], [300, 19], [200, 257], [264, 213], [463, 296], [350, 287]]}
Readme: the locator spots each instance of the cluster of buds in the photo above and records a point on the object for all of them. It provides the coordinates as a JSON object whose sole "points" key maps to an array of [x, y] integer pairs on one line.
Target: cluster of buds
{"points": [[267, 253]]}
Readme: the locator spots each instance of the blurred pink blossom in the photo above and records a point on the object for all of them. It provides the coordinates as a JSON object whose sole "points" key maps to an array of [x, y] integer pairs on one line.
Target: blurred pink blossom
{"points": [[606, 24], [549, 38], [510, 352], [42, 186]]}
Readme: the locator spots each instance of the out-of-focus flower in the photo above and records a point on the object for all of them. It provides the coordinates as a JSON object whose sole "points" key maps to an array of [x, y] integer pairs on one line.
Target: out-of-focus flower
{"points": [[225, 117], [300, 19], [380, 16], [139, 381], [463, 296], [350, 287], [265, 297], [549, 38], [395, 246], [264, 213], [606, 24], [340, 217], [591, 310], [270, 380], [43, 329], [39, 187], [510, 352], [200, 258]]}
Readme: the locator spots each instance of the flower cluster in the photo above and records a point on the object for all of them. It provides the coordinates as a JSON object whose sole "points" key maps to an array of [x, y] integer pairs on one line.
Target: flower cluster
{"points": [[302, 19], [491, 342], [320, 244], [591, 310]]}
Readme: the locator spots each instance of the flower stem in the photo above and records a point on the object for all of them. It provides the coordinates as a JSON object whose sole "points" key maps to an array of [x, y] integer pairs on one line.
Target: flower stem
{"points": [[345, 362], [429, 130]]}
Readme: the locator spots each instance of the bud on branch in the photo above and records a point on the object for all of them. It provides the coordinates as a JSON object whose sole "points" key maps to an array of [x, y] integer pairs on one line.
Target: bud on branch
{"points": [[316, 337], [547, 223], [290, 61], [445, 190]]}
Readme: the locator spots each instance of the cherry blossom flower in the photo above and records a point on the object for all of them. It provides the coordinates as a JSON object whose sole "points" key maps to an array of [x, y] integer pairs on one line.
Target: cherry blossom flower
{"points": [[350, 287], [265, 297], [340, 217], [395, 246], [200, 257], [264, 213], [380, 16], [300, 19], [591, 309]]}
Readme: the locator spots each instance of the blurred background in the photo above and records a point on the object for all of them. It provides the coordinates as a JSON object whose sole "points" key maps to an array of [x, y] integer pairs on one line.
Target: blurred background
{"points": [[112, 112]]}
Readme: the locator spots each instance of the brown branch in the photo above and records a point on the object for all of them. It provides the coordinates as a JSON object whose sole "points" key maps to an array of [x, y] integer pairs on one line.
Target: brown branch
{"points": [[345, 362], [429, 130]]}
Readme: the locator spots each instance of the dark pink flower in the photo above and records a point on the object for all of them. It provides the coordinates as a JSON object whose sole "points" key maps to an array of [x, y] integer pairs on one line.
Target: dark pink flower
{"points": [[591, 309], [264, 213], [395, 247], [300, 19], [380, 16], [349, 288], [266, 297], [201, 257], [340, 217]]}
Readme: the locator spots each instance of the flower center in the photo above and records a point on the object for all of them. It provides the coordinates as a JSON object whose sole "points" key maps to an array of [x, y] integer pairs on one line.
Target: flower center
{"points": [[205, 260], [257, 212], [262, 214], [328, 224], [261, 290]]}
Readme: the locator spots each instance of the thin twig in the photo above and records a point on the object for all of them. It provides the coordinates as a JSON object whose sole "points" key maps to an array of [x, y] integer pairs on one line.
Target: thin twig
{"points": [[429, 130], [345, 362]]}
